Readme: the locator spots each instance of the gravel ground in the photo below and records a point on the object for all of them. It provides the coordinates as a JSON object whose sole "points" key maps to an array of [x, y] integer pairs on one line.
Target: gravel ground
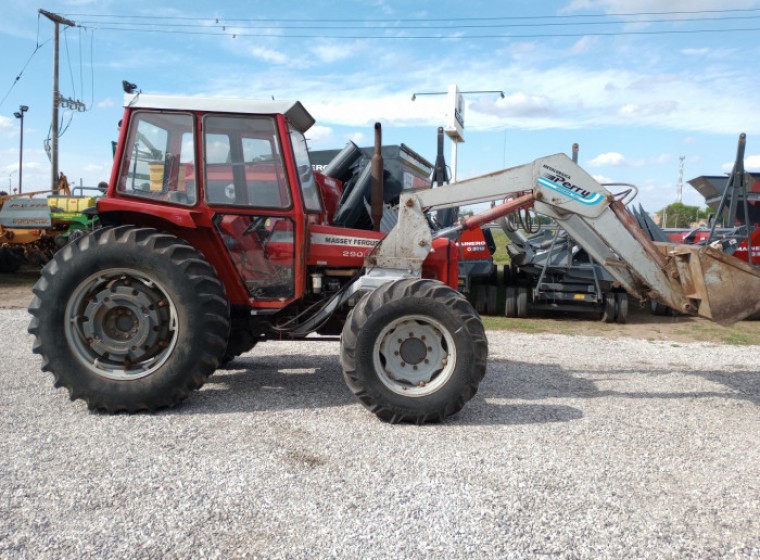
{"points": [[574, 447]]}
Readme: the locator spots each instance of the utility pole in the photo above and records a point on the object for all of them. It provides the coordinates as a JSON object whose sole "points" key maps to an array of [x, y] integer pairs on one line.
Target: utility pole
{"points": [[57, 20], [681, 159]]}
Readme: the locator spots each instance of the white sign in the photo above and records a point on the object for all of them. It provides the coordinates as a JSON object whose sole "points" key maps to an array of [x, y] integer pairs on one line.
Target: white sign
{"points": [[455, 117]]}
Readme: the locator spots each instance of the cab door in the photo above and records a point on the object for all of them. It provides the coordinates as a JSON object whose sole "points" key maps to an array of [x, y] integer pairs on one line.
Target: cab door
{"points": [[246, 184]]}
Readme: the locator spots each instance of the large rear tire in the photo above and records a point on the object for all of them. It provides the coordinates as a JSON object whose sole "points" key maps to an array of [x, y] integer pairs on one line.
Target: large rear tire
{"points": [[413, 351], [129, 319]]}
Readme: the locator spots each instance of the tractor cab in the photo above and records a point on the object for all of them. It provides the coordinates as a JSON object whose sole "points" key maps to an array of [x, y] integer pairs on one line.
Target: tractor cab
{"points": [[238, 168]]}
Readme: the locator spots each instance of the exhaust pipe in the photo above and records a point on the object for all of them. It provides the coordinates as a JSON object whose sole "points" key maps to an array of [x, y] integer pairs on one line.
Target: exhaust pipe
{"points": [[376, 196]]}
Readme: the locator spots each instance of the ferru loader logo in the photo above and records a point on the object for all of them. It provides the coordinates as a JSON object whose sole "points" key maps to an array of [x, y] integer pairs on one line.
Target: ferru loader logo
{"points": [[560, 183]]}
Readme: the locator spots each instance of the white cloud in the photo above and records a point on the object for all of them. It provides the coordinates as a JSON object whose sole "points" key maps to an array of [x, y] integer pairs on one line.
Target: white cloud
{"points": [[616, 159], [648, 109], [364, 109], [602, 179], [695, 52], [661, 159], [544, 90], [332, 52], [6, 124], [517, 104], [319, 134], [269, 55], [751, 163], [639, 6], [609, 159], [583, 45], [357, 138], [106, 103], [80, 3]]}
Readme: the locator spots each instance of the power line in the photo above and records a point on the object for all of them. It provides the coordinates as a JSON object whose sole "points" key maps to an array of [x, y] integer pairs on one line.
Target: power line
{"points": [[21, 73], [391, 26], [432, 20], [245, 27], [18, 76], [234, 34], [68, 59], [92, 71]]}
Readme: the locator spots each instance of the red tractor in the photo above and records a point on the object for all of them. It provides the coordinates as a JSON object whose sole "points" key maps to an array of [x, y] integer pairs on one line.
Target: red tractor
{"points": [[217, 235]]}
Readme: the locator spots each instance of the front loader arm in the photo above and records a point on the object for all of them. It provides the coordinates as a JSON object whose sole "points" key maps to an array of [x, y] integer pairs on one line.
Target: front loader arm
{"points": [[694, 280]]}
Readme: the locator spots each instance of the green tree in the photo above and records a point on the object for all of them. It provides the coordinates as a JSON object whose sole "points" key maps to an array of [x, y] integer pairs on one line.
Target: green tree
{"points": [[679, 215]]}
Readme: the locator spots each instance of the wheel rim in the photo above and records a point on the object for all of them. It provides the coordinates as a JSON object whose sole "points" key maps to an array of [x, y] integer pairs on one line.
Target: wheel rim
{"points": [[121, 324], [414, 356]]}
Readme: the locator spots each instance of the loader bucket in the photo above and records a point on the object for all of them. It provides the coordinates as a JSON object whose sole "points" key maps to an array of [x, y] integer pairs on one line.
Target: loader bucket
{"points": [[720, 287]]}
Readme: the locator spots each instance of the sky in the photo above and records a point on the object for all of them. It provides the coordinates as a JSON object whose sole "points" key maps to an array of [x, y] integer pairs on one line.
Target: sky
{"points": [[636, 88]]}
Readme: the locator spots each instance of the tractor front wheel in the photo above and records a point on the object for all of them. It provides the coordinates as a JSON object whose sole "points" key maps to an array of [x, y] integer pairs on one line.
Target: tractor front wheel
{"points": [[129, 319], [413, 351]]}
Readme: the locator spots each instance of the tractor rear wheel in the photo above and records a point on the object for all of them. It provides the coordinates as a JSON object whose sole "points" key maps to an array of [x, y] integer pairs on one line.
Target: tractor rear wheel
{"points": [[413, 351], [129, 319]]}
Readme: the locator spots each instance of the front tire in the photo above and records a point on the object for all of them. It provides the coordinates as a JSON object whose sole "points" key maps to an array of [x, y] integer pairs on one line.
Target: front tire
{"points": [[129, 319], [413, 351]]}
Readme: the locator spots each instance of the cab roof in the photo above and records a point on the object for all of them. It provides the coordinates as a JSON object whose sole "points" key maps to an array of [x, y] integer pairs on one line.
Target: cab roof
{"points": [[296, 113]]}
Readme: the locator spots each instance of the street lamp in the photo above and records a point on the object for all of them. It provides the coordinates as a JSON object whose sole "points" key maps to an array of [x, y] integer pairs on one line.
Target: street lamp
{"points": [[454, 128], [20, 115]]}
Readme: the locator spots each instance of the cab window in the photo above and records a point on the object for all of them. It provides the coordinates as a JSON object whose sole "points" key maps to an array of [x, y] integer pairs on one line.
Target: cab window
{"points": [[159, 158], [243, 165], [308, 185]]}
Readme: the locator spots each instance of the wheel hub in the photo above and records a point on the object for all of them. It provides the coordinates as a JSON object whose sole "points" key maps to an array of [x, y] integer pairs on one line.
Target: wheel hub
{"points": [[413, 351], [413, 356], [121, 324]]}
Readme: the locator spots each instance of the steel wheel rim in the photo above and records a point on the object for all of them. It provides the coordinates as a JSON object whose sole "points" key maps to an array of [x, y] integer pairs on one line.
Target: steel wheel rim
{"points": [[414, 356], [121, 324]]}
